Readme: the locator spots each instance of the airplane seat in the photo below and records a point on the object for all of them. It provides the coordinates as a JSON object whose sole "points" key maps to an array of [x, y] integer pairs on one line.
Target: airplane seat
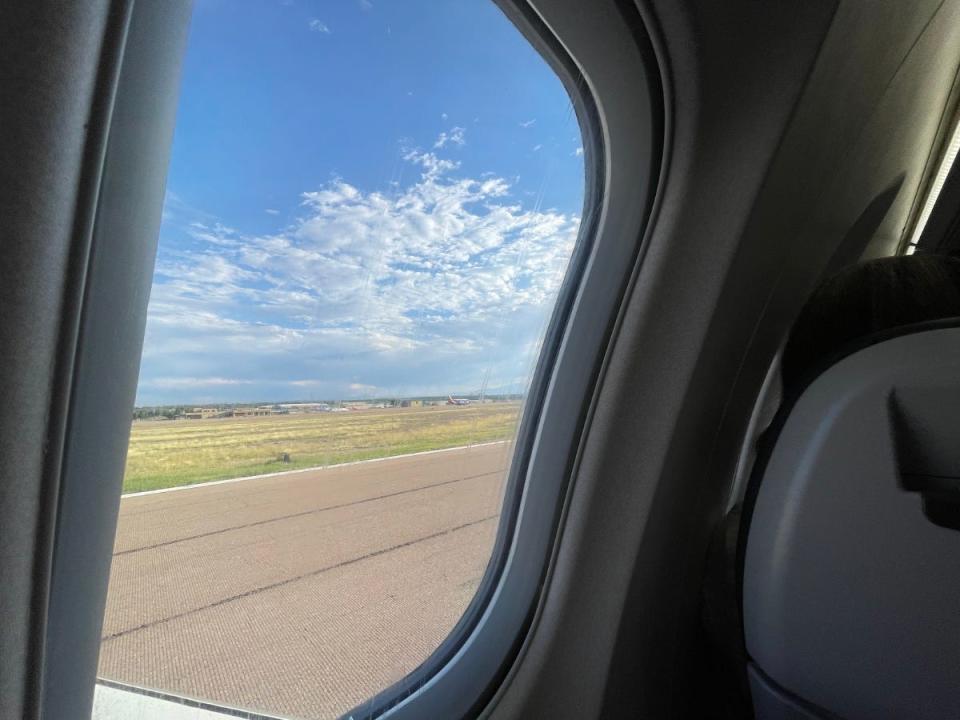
{"points": [[850, 550]]}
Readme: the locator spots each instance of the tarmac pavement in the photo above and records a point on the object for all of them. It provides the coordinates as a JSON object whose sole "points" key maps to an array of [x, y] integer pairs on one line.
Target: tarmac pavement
{"points": [[300, 594]]}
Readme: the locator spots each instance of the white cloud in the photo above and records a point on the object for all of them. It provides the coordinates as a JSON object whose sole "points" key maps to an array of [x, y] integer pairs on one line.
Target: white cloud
{"points": [[215, 233], [418, 289], [578, 152], [455, 137], [537, 147], [366, 5], [361, 388], [271, 211], [432, 165], [194, 382], [443, 116], [528, 123], [318, 26]]}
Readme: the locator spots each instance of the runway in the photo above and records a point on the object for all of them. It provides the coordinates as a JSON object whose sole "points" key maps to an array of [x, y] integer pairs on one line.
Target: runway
{"points": [[301, 594]]}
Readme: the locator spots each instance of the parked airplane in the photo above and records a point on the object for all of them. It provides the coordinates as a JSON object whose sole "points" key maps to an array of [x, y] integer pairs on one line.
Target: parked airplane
{"points": [[457, 401]]}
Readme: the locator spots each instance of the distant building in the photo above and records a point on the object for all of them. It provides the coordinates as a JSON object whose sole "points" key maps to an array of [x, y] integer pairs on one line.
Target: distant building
{"points": [[305, 407], [200, 413], [203, 413], [255, 411]]}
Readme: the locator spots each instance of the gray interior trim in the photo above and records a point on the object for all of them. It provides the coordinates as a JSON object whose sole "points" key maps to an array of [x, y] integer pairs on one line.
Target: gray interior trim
{"points": [[141, 95], [50, 53], [786, 122]]}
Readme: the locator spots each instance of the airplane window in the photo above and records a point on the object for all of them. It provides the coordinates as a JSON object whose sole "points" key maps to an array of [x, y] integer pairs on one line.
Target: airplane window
{"points": [[943, 169], [369, 211]]}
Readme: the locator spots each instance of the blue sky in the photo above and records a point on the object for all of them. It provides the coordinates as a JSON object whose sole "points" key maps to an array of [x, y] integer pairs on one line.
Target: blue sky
{"points": [[365, 198]]}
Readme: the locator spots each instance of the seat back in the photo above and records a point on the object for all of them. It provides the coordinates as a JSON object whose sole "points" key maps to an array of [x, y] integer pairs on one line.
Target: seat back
{"points": [[851, 573]]}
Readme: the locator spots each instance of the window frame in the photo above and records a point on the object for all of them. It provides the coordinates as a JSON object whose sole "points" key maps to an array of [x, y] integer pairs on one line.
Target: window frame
{"points": [[617, 94], [117, 214]]}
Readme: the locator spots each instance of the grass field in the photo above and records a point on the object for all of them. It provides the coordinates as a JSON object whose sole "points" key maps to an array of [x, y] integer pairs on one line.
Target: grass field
{"points": [[166, 454]]}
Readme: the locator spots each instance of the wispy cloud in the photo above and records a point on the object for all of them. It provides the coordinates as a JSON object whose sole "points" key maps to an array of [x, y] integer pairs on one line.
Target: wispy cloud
{"points": [[432, 165], [214, 233], [528, 123], [317, 26], [578, 152], [194, 382], [456, 136], [271, 211], [420, 289], [362, 388], [537, 147]]}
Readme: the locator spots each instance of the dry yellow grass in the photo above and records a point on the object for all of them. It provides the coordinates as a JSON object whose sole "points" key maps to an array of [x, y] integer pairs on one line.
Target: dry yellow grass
{"points": [[180, 452]]}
